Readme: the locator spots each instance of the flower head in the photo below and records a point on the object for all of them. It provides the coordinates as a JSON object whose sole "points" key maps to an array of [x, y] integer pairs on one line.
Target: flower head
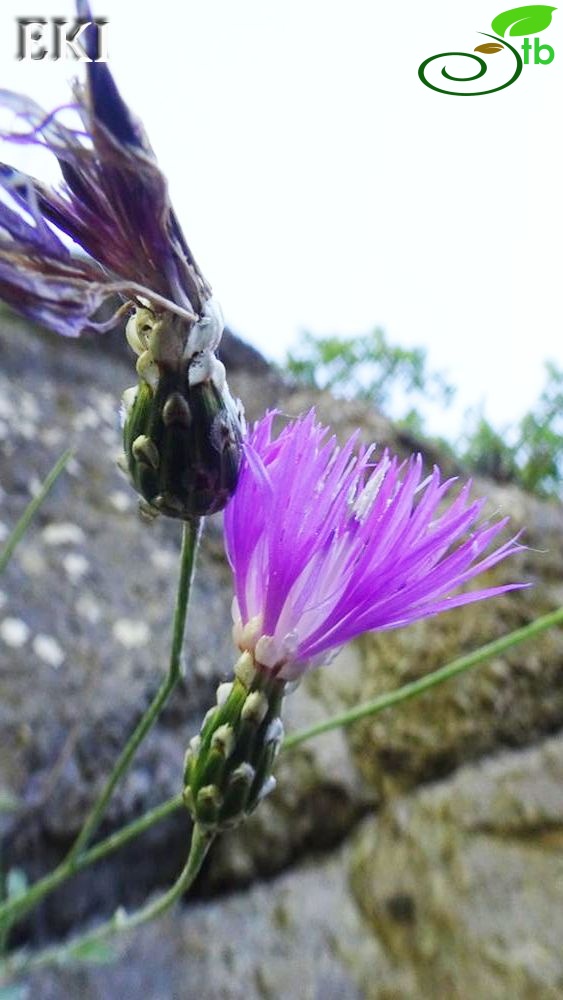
{"points": [[326, 542], [182, 429], [113, 203]]}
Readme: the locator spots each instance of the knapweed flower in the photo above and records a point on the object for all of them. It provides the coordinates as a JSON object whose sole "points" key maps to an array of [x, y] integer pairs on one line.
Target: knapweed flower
{"points": [[325, 542], [182, 428]]}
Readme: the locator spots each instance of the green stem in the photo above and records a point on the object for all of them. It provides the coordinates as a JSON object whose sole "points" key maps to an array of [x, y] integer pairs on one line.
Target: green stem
{"points": [[190, 539], [190, 542], [120, 922], [30, 511], [418, 687], [15, 908]]}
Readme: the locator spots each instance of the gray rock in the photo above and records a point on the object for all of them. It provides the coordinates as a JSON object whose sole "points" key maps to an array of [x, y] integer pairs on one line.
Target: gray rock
{"points": [[300, 936], [96, 583], [462, 882], [85, 611]]}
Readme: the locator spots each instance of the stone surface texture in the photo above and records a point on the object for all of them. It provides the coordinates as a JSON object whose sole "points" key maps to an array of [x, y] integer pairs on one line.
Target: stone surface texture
{"points": [[415, 855]]}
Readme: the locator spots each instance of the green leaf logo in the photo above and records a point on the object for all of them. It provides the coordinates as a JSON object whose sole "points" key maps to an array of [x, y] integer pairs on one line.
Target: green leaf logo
{"points": [[523, 20]]}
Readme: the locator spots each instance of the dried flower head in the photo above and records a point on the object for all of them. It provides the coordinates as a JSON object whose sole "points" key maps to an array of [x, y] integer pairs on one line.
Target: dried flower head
{"points": [[113, 204], [326, 542]]}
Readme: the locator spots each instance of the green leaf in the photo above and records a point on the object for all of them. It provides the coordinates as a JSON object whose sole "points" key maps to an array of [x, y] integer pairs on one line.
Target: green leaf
{"points": [[523, 20]]}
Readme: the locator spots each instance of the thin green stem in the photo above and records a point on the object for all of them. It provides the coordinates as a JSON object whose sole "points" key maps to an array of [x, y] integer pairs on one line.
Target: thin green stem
{"points": [[15, 908], [418, 687], [190, 539], [190, 542], [31, 510], [121, 921]]}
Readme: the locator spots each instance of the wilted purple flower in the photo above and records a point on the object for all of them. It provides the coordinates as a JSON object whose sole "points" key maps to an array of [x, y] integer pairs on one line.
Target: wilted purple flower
{"points": [[113, 202], [326, 542], [182, 428]]}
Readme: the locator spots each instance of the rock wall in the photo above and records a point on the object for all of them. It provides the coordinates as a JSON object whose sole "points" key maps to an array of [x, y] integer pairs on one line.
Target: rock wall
{"points": [[335, 877]]}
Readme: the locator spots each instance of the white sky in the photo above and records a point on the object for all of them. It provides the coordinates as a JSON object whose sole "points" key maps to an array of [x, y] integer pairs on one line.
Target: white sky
{"points": [[322, 187]]}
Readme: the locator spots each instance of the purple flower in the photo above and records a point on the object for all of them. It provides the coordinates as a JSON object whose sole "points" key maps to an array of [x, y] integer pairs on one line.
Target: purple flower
{"points": [[182, 429], [326, 542], [113, 203]]}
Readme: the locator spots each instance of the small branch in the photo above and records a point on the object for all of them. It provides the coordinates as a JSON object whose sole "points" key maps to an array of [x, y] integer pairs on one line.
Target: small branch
{"points": [[418, 687], [190, 543], [190, 540], [31, 510], [121, 922], [15, 908]]}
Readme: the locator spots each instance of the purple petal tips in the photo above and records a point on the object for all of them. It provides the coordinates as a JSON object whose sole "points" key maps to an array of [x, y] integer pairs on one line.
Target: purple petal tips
{"points": [[113, 203], [39, 276], [182, 429], [326, 542]]}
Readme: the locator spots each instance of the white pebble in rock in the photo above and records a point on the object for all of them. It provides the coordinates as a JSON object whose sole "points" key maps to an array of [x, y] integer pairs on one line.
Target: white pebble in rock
{"points": [[63, 533], [47, 649], [120, 500], [52, 437], [88, 608], [32, 560], [164, 560], [75, 566], [86, 420], [14, 632], [131, 633]]}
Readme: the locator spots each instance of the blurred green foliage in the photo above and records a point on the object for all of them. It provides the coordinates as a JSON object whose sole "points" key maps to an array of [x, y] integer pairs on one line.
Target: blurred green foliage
{"points": [[365, 367], [530, 452], [368, 367]]}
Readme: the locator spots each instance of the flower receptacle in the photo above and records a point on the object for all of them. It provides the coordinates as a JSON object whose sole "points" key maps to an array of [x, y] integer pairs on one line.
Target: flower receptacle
{"points": [[182, 444], [228, 767]]}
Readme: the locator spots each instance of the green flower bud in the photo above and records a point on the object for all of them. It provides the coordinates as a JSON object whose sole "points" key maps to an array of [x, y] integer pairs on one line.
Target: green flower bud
{"points": [[182, 429], [228, 767]]}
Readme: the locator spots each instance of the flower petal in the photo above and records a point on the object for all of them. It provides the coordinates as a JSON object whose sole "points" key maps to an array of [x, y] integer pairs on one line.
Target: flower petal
{"points": [[325, 544]]}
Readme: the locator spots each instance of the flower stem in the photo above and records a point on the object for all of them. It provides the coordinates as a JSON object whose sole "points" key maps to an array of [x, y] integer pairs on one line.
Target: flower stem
{"points": [[190, 542], [31, 509], [423, 684], [190, 539], [16, 907], [79, 946]]}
